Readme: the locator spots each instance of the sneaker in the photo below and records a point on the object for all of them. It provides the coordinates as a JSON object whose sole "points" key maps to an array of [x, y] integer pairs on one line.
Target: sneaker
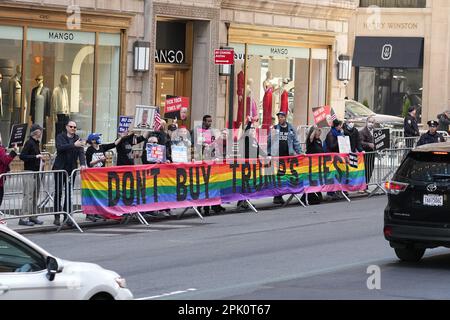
{"points": [[36, 221], [27, 223]]}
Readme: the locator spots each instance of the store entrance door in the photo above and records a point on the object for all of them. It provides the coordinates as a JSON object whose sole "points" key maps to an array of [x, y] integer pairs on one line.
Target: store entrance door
{"points": [[171, 83]]}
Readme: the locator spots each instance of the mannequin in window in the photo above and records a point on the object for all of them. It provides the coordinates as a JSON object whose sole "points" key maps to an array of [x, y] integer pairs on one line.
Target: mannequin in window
{"points": [[40, 102], [240, 94], [15, 95], [251, 108], [284, 103], [60, 105], [269, 88]]}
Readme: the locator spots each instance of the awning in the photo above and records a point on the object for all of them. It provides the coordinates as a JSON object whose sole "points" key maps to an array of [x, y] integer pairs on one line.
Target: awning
{"points": [[388, 52]]}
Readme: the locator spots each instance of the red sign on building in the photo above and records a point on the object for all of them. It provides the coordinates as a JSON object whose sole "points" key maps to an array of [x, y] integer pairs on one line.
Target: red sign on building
{"points": [[223, 56]]}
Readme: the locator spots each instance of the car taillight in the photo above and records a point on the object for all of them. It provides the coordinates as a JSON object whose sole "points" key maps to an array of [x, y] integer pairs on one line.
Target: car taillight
{"points": [[387, 231], [394, 187]]}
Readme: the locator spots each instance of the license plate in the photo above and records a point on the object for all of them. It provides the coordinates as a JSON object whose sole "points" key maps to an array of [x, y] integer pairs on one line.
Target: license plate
{"points": [[433, 200]]}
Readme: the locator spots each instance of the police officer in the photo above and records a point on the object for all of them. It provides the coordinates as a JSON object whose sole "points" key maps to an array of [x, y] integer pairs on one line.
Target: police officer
{"points": [[432, 136], [411, 128]]}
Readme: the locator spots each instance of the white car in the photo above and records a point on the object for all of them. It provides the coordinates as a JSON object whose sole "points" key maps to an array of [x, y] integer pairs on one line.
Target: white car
{"points": [[29, 272]]}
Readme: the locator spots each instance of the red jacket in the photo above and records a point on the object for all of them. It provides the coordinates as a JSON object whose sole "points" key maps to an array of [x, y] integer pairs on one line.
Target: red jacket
{"points": [[5, 160]]}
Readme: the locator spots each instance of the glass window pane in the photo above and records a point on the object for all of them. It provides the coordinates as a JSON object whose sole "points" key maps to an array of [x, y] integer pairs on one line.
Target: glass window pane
{"points": [[65, 60], [11, 84], [108, 86], [318, 83]]}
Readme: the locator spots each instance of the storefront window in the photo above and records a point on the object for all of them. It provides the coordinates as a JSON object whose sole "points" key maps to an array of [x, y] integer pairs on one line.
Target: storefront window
{"points": [[11, 84], [65, 60], [108, 85], [278, 79], [390, 91]]}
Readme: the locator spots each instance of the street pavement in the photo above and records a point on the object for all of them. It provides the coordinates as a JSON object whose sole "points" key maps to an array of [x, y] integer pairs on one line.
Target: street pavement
{"points": [[319, 252]]}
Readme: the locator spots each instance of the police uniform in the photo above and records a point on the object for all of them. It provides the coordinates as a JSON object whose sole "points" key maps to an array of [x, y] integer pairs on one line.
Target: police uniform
{"points": [[410, 126], [429, 137]]}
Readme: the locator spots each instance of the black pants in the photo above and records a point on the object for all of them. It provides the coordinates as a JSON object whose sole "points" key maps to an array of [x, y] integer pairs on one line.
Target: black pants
{"points": [[61, 184], [369, 164]]}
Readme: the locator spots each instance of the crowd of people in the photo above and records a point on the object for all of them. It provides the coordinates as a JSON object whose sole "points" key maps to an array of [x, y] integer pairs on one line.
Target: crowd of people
{"points": [[202, 143]]}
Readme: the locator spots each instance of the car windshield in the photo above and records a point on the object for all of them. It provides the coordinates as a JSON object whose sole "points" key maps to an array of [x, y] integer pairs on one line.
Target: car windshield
{"points": [[358, 109], [424, 167]]}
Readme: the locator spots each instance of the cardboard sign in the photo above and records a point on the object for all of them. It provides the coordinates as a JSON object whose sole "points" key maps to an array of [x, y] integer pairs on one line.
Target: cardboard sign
{"points": [[180, 154], [18, 133], [382, 139], [324, 116], [204, 136], [344, 144], [156, 153], [222, 56], [144, 118], [176, 108], [124, 124]]}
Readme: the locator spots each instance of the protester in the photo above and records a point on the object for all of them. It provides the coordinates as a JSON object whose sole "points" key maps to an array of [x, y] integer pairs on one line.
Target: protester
{"points": [[181, 138], [32, 158], [411, 129], [125, 156], [368, 145], [5, 160], [69, 149], [444, 121], [95, 153], [282, 142], [313, 141], [153, 139], [331, 144], [431, 136], [353, 134]]}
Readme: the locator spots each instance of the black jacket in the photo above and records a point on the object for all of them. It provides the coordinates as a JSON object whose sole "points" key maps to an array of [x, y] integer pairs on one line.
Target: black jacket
{"points": [[427, 138], [314, 147], [28, 155], [444, 122], [355, 140], [67, 154], [410, 126], [366, 138], [125, 149]]}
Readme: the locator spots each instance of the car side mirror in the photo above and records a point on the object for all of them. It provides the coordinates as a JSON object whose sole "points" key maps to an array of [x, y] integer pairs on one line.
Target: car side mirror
{"points": [[52, 268]]}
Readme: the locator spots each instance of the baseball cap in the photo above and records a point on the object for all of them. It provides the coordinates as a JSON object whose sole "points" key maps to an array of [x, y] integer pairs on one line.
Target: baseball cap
{"points": [[94, 136], [432, 123], [281, 113], [35, 127]]}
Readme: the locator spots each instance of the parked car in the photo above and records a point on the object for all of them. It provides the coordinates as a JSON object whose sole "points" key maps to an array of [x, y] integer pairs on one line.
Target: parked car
{"points": [[417, 214], [359, 113], [29, 272]]}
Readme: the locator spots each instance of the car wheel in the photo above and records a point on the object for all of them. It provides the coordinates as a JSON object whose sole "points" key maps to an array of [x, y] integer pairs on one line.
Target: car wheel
{"points": [[409, 254], [102, 296]]}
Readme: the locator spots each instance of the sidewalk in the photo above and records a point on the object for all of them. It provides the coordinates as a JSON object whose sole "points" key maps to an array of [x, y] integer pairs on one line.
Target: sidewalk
{"points": [[260, 204]]}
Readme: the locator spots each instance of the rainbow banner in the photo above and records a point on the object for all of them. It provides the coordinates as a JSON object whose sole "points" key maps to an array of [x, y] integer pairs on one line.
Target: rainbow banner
{"points": [[115, 191]]}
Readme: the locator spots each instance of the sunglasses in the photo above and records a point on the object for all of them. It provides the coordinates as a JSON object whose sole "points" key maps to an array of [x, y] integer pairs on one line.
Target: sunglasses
{"points": [[72, 127]]}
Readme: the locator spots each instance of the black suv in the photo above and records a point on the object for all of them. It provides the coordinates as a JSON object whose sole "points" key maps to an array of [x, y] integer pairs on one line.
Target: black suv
{"points": [[417, 216]]}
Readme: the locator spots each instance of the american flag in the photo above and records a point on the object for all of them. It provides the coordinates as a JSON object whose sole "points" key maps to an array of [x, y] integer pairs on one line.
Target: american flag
{"points": [[333, 116], [157, 121]]}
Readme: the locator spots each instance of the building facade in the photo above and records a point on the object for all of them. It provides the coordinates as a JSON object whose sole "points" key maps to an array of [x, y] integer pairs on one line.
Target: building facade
{"points": [[75, 58], [62, 58], [401, 56]]}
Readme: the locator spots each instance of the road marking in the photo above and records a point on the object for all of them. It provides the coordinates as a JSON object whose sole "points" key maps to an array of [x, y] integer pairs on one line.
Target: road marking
{"points": [[168, 294]]}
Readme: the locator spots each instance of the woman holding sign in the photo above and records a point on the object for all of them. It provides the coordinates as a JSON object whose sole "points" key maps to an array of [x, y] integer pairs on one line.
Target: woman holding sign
{"points": [[5, 160]]}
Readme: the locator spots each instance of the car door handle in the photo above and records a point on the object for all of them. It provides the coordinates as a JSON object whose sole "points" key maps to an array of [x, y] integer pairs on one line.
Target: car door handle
{"points": [[3, 289]]}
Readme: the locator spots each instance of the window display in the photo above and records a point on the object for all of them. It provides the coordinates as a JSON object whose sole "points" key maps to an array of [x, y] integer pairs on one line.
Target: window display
{"points": [[288, 79], [11, 57]]}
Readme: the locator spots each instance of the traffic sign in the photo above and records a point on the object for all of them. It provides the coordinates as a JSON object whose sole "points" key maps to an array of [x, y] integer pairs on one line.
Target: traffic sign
{"points": [[223, 56]]}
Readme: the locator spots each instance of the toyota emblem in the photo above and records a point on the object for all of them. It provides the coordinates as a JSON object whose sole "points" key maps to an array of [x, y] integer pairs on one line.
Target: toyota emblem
{"points": [[432, 187]]}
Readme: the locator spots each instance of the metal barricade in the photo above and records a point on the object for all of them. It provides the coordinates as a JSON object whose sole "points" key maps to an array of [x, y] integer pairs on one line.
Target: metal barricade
{"points": [[385, 164], [30, 194], [405, 142]]}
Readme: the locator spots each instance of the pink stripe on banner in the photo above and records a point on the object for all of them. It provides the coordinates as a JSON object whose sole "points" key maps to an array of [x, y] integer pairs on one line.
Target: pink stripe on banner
{"points": [[119, 211]]}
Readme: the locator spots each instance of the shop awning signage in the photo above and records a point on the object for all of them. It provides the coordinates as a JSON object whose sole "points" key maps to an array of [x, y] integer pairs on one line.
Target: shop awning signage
{"points": [[269, 51], [388, 52]]}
